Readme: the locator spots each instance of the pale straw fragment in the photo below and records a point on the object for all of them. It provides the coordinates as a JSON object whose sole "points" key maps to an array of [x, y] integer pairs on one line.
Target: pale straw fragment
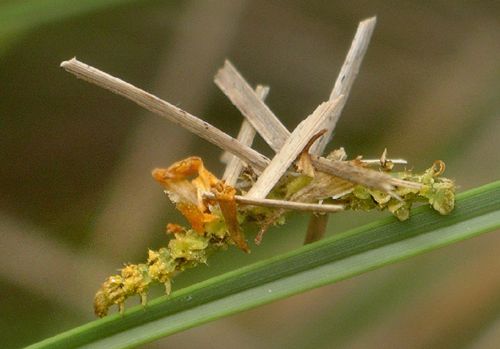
{"points": [[294, 145], [241, 94], [356, 174], [287, 205], [167, 110], [245, 136], [342, 86], [346, 77]]}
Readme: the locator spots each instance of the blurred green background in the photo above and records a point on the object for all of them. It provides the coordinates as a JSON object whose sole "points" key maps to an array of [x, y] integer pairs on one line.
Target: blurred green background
{"points": [[77, 199]]}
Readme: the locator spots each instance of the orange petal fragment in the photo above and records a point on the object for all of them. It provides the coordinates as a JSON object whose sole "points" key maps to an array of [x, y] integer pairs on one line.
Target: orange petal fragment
{"points": [[224, 195], [187, 193]]}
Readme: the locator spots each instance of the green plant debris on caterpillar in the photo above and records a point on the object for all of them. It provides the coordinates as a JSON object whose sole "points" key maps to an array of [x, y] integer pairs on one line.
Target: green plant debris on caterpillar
{"points": [[437, 191], [216, 221]]}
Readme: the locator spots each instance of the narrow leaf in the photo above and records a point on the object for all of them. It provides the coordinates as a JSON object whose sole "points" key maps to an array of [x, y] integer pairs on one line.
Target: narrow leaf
{"points": [[317, 264], [21, 15]]}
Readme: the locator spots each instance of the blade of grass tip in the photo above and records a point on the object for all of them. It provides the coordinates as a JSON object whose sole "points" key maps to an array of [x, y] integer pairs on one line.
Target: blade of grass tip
{"points": [[324, 262]]}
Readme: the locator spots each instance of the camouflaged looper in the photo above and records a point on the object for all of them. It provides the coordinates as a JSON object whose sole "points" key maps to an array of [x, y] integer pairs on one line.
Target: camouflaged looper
{"points": [[216, 223]]}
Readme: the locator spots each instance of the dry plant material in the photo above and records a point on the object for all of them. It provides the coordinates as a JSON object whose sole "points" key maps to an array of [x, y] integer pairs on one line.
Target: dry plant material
{"points": [[251, 106], [293, 146], [246, 136], [170, 112], [217, 215], [258, 191]]}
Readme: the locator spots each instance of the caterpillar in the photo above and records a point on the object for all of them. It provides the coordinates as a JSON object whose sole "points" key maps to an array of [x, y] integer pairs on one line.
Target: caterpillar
{"points": [[216, 220]]}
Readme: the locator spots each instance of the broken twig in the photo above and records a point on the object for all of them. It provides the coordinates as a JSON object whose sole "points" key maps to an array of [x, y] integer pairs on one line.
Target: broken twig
{"points": [[251, 106], [346, 77], [342, 86], [287, 205], [167, 110], [294, 145], [245, 136]]}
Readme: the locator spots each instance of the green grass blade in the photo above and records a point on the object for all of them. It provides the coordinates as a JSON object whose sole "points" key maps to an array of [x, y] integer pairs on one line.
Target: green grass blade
{"points": [[21, 15], [324, 262], [17, 17]]}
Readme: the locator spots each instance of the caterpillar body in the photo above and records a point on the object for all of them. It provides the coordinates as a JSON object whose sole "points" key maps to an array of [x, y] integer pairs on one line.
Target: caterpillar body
{"points": [[216, 220]]}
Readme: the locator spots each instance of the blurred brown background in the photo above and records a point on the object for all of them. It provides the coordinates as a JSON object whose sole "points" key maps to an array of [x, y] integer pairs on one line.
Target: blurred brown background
{"points": [[77, 199]]}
